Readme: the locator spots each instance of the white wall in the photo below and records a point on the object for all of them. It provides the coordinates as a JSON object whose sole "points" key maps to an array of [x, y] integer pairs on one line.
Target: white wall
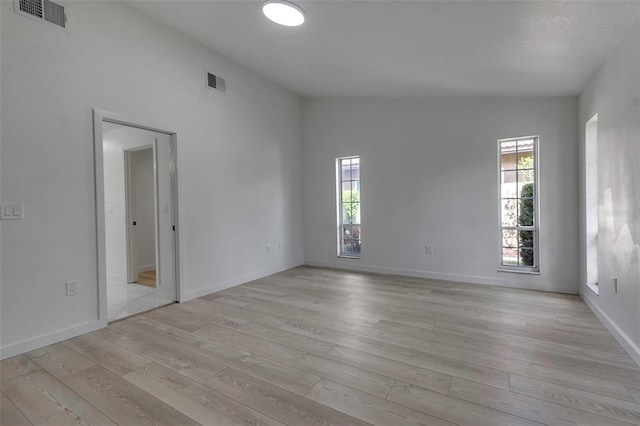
{"points": [[144, 209], [429, 177], [614, 94], [1, 198], [238, 161]]}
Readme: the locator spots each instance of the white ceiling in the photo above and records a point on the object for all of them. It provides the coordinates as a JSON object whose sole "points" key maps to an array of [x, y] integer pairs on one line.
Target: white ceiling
{"points": [[412, 48]]}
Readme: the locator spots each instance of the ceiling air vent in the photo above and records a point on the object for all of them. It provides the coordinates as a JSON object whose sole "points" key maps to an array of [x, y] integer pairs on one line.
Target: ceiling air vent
{"points": [[43, 10], [215, 82]]}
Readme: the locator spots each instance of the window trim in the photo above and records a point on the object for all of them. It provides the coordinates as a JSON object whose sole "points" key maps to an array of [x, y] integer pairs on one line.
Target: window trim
{"points": [[591, 213], [339, 206], [535, 269]]}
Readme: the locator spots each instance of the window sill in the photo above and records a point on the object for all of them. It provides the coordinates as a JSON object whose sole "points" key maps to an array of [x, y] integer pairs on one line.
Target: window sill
{"points": [[519, 271], [594, 288], [346, 256]]}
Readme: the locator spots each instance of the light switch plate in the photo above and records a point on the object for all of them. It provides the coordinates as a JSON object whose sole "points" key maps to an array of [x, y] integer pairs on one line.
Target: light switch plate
{"points": [[11, 211]]}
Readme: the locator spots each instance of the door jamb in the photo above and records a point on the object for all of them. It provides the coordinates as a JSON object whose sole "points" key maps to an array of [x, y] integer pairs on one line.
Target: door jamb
{"points": [[100, 116]]}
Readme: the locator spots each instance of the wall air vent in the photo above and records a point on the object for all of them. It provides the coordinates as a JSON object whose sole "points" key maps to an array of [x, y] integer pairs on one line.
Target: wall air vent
{"points": [[215, 82], [43, 10]]}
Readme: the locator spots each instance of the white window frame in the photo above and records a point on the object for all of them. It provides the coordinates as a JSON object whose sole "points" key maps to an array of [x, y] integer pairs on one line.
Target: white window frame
{"points": [[339, 205], [591, 203], [535, 269]]}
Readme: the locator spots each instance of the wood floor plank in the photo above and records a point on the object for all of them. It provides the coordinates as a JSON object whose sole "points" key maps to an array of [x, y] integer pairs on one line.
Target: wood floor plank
{"points": [[178, 318], [178, 359], [349, 375], [123, 402], [495, 310], [555, 375], [451, 409], [259, 303], [211, 313], [16, 366], [199, 402], [45, 401], [511, 346], [494, 299], [510, 318], [558, 376], [499, 355], [365, 313], [419, 376], [634, 390], [442, 363], [292, 379], [276, 402], [228, 310], [107, 354], [327, 346], [425, 321], [369, 408], [289, 313], [560, 336], [539, 336], [59, 360], [597, 404], [586, 321], [553, 326], [10, 415], [524, 406]]}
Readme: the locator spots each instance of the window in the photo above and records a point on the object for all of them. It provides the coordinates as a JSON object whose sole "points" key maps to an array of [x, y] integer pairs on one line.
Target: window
{"points": [[591, 201], [519, 222], [348, 191]]}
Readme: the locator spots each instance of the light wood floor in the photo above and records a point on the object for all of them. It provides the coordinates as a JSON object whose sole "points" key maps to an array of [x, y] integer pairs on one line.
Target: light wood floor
{"points": [[325, 347], [147, 278]]}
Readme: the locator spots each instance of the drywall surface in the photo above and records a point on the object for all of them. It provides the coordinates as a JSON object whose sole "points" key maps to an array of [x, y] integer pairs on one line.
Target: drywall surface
{"points": [[238, 161], [614, 94], [429, 177], [1, 198]]}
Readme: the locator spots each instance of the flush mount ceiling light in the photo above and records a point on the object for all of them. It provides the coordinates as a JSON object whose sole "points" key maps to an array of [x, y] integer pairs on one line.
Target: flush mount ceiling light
{"points": [[283, 13]]}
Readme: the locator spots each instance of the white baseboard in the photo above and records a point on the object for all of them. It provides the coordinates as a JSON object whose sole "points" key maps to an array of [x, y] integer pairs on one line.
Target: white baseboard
{"points": [[50, 338], [474, 279], [146, 268], [236, 281], [632, 349], [120, 279], [68, 333]]}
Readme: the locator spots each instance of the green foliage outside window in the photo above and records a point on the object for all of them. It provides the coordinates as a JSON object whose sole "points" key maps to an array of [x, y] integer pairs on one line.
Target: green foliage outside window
{"points": [[351, 203], [523, 164], [526, 219]]}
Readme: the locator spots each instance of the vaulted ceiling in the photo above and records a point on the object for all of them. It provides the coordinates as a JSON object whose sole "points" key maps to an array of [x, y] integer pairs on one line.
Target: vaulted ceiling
{"points": [[412, 48]]}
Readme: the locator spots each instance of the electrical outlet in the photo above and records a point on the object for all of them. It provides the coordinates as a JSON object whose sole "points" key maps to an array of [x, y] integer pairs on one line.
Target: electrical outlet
{"points": [[72, 288], [279, 246], [614, 281], [268, 248], [428, 250]]}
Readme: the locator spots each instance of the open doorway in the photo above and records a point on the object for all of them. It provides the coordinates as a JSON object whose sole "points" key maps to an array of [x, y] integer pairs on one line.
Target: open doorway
{"points": [[138, 262], [140, 210]]}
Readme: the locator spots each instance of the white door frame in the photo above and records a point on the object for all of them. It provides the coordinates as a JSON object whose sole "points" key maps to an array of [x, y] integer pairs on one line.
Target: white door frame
{"points": [[99, 117]]}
